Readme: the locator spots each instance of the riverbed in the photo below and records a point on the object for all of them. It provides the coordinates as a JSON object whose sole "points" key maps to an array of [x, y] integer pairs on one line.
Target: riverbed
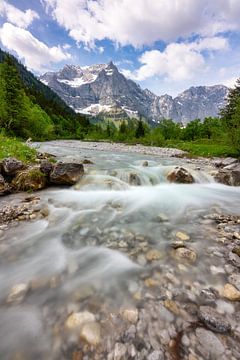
{"points": [[125, 265]]}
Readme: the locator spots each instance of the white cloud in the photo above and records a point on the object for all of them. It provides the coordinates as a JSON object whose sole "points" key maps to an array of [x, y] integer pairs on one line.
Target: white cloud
{"points": [[144, 21], [37, 55], [179, 61], [17, 17]]}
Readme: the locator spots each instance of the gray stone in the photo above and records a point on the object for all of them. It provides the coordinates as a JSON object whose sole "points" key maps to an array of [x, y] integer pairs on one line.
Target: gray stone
{"points": [[213, 320], [211, 347], [11, 166], [156, 355], [234, 279]]}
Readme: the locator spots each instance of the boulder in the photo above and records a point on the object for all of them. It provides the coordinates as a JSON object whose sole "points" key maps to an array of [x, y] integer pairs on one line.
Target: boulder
{"points": [[66, 173], [31, 179], [225, 162], [180, 175], [11, 166], [4, 187], [46, 167], [229, 175], [134, 179]]}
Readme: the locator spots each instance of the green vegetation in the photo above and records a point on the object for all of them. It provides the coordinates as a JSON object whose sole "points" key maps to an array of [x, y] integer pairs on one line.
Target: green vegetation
{"points": [[11, 147], [29, 108]]}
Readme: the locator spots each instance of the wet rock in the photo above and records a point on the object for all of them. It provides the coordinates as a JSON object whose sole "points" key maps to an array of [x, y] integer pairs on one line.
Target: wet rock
{"points": [[186, 254], [180, 175], [87, 162], [66, 173], [17, 293], [213, 320], [4, 186], [10, 166], [172, 306], [120, 351], [234, 259], [130, 315], [229, 176], [76, 320], [145, 163], [29, 180], [225, 162], [46, 167], [90, 332], [208, 296], [236, 250], [231, 293], [180, 235], [156, 355], [153, 254], [234, 279], [210, 346], [134, 179]]}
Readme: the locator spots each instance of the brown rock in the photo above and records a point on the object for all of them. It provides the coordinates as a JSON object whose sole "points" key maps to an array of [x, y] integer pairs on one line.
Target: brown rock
{"points": [[153, 254], [186, 254], [231, 293], [76, 320], [46, 167], [181, 176], [66, 173], [90, 332]]}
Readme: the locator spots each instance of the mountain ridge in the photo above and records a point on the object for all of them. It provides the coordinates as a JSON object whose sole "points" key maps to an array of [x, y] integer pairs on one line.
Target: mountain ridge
{"points": [[102, 88]]}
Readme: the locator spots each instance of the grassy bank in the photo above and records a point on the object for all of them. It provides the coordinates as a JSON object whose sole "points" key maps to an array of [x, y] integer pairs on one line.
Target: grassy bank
{"points": [[204, 148], [12, 147]]}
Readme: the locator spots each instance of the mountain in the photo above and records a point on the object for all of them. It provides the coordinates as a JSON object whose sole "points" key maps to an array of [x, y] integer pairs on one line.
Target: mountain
{"points": [[102, 89]]}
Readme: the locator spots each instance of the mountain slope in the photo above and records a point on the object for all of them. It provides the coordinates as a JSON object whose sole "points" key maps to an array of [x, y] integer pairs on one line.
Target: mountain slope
{"points": [[103, 89], [43, 96]]}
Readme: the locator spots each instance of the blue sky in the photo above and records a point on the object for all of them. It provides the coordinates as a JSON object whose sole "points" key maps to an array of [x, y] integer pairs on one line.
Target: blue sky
{"points": [[164, 45]]}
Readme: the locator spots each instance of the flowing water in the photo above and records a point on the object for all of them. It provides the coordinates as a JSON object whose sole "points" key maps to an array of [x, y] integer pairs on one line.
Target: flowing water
{"points": [[89, 253]]}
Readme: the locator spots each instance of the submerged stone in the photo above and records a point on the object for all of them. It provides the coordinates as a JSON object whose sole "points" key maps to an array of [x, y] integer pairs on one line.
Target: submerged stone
{"points": [[231, 293], [76, 320], [90, 332], [213, 320]]}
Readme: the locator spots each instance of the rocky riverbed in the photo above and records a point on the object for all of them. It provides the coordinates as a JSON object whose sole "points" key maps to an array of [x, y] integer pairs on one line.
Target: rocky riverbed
{"points": [[128, 264]]}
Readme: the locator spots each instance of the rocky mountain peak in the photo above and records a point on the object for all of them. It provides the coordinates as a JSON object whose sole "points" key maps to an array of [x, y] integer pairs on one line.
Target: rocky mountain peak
{"points": [[101, 88]]}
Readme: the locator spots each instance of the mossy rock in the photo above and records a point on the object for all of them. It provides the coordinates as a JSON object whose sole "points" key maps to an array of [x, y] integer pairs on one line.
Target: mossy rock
{"points": [[29, 180]]}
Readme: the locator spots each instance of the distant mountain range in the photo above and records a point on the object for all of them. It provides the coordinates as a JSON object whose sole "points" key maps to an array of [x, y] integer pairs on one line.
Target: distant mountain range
{"points": [[102, 89]]}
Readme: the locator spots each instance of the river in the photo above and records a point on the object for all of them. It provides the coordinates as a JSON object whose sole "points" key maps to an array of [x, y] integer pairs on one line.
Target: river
{"points": [[109, 249]]}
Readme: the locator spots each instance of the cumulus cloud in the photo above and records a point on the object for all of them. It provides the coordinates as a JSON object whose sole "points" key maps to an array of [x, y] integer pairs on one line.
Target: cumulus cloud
{"points": [[37, 55], [17, 17], [179, 61], [145, 21]]}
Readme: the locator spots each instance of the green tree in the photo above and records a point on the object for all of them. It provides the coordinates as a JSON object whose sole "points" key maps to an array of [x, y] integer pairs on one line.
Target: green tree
{"points": [[230, 116], [14, 97], [169, 129], [140, 130]]}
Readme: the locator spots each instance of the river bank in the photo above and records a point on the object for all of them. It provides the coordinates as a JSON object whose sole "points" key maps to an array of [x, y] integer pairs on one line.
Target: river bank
{"points": [[121, 266]]}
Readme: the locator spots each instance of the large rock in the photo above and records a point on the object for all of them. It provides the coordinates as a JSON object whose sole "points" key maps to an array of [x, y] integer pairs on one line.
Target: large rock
{"points": [[10, 166], [4, 187], [31, 179], [213, 320], [46, 167], [180, 175], [229, 175], [66, 173]]}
